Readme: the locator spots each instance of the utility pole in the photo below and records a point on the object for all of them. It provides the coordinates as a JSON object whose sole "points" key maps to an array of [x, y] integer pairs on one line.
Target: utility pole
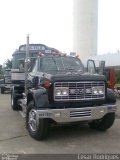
{"points": [[26, 63]]}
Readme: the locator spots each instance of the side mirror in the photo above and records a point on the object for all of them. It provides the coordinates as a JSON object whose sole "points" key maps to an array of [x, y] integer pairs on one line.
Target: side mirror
{"points": [[101, 67], [91, 66]]}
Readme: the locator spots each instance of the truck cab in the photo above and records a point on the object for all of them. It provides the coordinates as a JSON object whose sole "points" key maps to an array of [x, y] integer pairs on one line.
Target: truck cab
{"points": [[60, 90]]}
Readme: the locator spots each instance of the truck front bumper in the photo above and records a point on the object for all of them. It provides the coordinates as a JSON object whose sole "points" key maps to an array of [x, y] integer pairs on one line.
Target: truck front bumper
{"points": [[76, 114]]}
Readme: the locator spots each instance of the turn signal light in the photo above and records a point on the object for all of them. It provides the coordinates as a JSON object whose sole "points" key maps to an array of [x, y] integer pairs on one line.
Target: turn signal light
{"points": [[46, 84]]}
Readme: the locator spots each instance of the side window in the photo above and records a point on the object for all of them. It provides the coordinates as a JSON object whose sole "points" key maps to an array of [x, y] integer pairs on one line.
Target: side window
{"points": [[35, 66], [21, 64]]}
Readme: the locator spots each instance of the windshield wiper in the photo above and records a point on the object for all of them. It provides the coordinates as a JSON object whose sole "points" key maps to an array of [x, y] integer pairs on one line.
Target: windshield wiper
{"points": [[73, 69], [69, 68]]}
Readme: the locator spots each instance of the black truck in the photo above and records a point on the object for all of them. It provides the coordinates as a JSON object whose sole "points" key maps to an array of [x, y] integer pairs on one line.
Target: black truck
{"points": [[61, 90]]}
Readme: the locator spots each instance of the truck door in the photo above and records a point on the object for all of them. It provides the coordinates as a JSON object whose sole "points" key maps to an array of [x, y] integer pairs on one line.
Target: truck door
{"points": [[95, 66], [91, 66]]}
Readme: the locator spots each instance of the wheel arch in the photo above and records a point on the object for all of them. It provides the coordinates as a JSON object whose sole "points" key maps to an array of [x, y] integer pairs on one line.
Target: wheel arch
{"points": [[39, 96], [111, 97]]}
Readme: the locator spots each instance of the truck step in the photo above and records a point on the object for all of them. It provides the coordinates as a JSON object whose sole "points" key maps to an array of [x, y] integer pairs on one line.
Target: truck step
{"points": [[22, 103], [22, 114]]}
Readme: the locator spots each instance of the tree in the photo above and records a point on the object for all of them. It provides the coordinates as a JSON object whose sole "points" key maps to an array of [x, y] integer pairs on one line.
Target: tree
{"points": [[0, 68], [8, 64], [1, 72]]}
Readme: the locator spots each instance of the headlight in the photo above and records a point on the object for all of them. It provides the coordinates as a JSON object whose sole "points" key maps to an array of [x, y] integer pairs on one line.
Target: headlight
{"points": [[94, 91], [61, 91], [101, 90], [98, 90], [58, 92], [64, 92]]}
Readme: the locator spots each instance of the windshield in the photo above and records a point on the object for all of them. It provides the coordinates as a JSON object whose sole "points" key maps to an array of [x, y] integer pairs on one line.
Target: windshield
{"points": [[60, 63], [8, 72]]}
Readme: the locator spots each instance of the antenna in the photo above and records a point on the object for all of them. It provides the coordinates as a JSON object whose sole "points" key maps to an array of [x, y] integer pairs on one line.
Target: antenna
{"points": [[26, 65]]}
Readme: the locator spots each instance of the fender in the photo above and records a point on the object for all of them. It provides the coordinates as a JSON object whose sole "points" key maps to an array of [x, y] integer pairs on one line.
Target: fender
{"points": [[110, 98], [39, 96]]}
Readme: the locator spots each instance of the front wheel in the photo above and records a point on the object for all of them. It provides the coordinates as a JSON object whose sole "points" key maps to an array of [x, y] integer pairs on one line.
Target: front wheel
{"points": [[37, 128], [103, 124]]}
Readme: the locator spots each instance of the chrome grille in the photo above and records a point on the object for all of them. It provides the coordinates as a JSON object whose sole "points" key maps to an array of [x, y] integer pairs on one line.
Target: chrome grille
{"points": [[82, 90]]}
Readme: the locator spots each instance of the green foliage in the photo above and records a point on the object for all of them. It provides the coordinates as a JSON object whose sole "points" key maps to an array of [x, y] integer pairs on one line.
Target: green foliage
{"points": [[118, 77], [117, 84], [1, 72], [1, 76], [8, 64]]}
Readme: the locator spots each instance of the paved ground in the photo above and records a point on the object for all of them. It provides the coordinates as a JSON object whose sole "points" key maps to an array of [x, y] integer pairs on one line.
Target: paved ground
{"points": [[65, 139]]}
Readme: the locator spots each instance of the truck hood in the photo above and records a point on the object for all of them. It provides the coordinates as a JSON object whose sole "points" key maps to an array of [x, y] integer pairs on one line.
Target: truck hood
{"points": [[73, 76]]}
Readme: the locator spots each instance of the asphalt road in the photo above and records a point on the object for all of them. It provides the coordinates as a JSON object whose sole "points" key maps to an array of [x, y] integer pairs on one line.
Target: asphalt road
{"points": [[14, 137]]}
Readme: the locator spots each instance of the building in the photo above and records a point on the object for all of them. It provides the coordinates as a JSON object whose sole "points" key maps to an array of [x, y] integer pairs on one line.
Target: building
{"points": [[85, 27]]}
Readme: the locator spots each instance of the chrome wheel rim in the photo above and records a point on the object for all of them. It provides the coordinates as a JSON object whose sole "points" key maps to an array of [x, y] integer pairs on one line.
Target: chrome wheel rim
{"points": [[33, 120]]}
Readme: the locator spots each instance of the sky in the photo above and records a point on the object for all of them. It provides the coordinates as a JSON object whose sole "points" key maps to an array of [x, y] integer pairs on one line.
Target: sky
{"points": [[46, 21], [108, 26], [49, 22]]}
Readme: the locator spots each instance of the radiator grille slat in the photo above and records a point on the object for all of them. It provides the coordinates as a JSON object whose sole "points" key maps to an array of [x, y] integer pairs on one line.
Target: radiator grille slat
{"points": [[79, 90], [80, 114]]}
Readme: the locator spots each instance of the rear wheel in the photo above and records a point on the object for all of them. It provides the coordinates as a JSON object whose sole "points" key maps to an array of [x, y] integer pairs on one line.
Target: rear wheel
{"points": [[37, 128], [103, 124], [2, 90], [14, 99]]}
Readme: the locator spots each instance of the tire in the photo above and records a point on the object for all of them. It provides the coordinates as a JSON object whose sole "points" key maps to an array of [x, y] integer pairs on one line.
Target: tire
{"points": [[2, 90], [40, 129], [103, 124], [14, 100]]}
